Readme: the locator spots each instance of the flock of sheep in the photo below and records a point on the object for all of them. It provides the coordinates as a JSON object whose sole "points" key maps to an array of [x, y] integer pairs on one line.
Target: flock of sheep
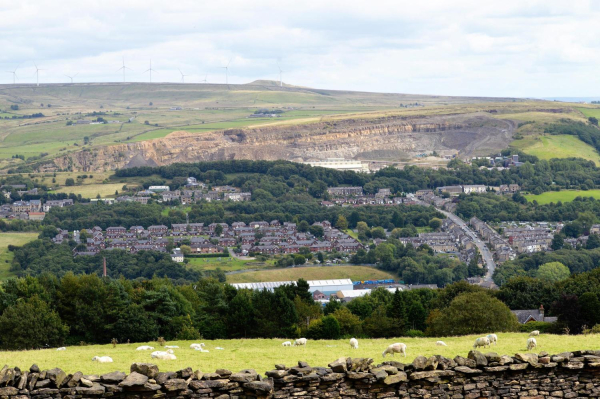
{"points": [[392, 349]]}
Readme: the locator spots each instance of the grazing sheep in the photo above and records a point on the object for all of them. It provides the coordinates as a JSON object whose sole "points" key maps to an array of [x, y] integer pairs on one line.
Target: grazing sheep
{"points": [[483, 341], [102, 359], [195, 346], [441, 343], [171, 347], [353, 343], [163, 355], [219, 348], [144, 348], [531, 343], [534, 333], [300, 342], [395, 348], [62, 348], [200, 349], [286, 343], [493, 339]]}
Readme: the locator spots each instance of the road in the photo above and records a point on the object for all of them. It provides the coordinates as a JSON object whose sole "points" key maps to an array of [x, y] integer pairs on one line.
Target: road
{"points": [[483, 249]]}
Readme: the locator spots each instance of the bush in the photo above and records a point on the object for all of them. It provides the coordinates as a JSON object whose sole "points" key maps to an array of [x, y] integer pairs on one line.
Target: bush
{"points": [[414, 333], [325, 328]]}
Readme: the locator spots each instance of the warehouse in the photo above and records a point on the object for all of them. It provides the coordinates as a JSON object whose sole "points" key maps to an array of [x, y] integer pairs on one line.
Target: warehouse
{"points": [[327, 287]]}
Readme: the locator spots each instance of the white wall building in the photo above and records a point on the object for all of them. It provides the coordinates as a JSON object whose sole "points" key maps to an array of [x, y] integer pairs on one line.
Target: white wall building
{"points": [[327, 287], [341, 164]]}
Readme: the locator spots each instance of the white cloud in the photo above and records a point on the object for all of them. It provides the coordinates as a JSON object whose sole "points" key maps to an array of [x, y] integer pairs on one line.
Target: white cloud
{"points": [[459, 47]]}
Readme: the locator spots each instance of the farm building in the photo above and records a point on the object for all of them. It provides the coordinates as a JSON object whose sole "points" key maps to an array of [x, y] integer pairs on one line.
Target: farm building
{"points": [[326, 287]]}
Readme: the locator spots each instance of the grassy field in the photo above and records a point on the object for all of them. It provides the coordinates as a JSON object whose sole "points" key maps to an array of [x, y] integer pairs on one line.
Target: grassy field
{"points": [[564, 196], [92, 190], [354, 273], [7, 239], [560, 146], [595, 112], [263, 354], [225, 264]]}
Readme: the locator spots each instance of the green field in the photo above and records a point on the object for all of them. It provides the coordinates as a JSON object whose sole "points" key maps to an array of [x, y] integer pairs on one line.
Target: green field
{"points": [[564, 196], [225, 264], [263, 354], [354, 273], [92, 190], [595, 112], [6, 257], [560, 146]]}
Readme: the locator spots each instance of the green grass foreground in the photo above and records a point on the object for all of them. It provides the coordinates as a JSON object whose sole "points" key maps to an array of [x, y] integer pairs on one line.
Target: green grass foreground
{"points": [[564, 196], [263, 354], [559, 146]]}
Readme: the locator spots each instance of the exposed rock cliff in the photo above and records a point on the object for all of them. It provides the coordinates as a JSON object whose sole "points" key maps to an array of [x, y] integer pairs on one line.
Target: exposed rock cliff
{"points": [[348, 138]]}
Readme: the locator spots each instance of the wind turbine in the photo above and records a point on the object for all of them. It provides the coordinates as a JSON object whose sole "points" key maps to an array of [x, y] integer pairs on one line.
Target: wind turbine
{"points": [[123, 68], [37, 74], [204, 81], [14, 75], [182, 75], [227, 72], [150, 70], [280, 71], [71, 77]]}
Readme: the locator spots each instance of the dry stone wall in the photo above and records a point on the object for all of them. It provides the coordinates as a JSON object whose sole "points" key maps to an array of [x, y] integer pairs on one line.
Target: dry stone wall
{"points": [[524, 376]]}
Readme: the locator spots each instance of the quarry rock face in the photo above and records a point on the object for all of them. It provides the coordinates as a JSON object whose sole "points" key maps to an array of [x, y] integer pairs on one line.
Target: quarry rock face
{"points": [[525, 375], [367, 139]]}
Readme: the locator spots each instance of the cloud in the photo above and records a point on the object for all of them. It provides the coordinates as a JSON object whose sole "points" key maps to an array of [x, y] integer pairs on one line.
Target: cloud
{"points": [[461, 47]]}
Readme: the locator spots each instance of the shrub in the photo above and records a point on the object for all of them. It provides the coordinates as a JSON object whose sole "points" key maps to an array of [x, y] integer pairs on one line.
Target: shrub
{"points": [[414, 333]]}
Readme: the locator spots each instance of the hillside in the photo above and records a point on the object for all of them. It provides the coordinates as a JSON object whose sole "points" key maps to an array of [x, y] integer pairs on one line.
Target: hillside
{"points": [[158, 124]]}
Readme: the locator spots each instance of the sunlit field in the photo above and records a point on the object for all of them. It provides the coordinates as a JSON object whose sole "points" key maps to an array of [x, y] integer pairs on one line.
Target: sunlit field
{"points": [[263, 354]]}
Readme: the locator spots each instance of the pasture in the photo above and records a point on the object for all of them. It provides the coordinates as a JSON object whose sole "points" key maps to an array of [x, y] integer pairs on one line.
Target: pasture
{"points": [[92, 190], [564, 196], [263, 354], [354, 273], [6, 257], [559, 146], [588, 112]]}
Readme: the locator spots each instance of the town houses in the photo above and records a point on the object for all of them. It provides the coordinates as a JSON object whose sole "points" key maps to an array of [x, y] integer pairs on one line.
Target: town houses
{"points": [[268, 238]]}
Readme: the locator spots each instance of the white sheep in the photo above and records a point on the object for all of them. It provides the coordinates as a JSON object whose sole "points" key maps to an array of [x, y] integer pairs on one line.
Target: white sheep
{"points": [[353, 343], [163, 355], [200, 349], [483, 341], [144, 348], [493, 339], [531, 343], [169, 351], [395, 348], [440, 343], [102, 359], [287, 343], [219, 348], [171, 347], [62, 348], [195, 346], [300, 342], [534, 333]]}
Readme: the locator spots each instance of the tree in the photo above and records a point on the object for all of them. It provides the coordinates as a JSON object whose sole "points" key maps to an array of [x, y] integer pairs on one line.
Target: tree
{"points": [[553, 272], [316, 231], [69, 182], [435, 223], [31, 324], [218, 230], [472, 313], [349, 323], [342, 223], [318, 189], [69, 123], [303, 226], [589, 309], [558, 241], [593, 120], [378, 232], [185, 250], [593, 241]]}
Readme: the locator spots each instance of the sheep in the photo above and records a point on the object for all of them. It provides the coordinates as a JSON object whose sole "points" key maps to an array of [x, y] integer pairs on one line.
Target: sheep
{"points": [[353, 343], [531, 343], [395, 348], [219, 348], [483, 341], [144, 348], [169, 351], [493, 339], [286, 343], [199, 349], [163, 355], [300, 342], [62, 348], [195, 346], [440, 343], [102, 359], [534, 333], [171, 347]]}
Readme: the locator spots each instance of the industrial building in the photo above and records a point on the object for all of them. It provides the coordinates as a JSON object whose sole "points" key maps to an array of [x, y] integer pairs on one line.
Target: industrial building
{"points": [[327, 287]]}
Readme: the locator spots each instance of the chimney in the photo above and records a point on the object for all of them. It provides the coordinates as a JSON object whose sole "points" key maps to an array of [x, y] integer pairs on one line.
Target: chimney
{"points": [[541, 312]]}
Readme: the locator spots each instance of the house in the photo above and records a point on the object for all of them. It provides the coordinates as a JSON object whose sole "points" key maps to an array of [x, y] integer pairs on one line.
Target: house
{"points": [[345, 191], [37, 215], [452, 190], [318, 295], [158, 189], [158, 230], [177, 255], [529, 315], [475, 188], [383, 192]]}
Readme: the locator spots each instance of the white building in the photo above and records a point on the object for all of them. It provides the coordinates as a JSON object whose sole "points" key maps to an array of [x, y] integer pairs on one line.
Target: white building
{"points": [[177, 255], [158, 189], [474, 188], [341, 164], [327, 287]]}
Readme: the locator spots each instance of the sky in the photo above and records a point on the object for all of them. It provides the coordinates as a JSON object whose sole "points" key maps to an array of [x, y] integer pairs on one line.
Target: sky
{"points": [[508, 48]]}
